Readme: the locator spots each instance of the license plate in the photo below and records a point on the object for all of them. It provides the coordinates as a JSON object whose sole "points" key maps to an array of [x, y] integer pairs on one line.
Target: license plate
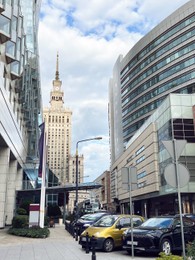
{"points": [[135, 243], [85, 239]]}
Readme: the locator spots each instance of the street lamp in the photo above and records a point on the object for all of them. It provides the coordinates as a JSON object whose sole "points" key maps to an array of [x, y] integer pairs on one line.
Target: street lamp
{"points": [[76, 199]]}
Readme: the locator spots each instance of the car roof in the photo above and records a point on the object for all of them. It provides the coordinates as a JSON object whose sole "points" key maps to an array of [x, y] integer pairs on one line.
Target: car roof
{"points": [[124, 215]]}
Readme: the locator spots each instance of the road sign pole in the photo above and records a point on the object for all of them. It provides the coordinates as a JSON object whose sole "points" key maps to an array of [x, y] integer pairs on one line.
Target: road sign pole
{"points": [[179, 196], [131, 210]]}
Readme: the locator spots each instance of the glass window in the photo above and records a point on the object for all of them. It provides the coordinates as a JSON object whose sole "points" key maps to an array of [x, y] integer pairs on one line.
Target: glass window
{"points": [[125, 222], [15, 67], [14, 23], [10, 48], [5, 24]]}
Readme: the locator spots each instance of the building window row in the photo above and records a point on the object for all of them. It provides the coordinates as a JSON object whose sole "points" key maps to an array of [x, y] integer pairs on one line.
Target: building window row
{"points": [[141, 175], [140, 150], [141, 185], [158, 41], [159, 90], [142, 158], [157, 66], [171, 71], [56, 119]]}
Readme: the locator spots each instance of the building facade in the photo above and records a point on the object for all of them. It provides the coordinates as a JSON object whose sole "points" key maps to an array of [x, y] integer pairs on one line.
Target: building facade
{"points": [[153, 196], [103, 194], [162, 62], [20, 96], [115, 113], [58, 127]]}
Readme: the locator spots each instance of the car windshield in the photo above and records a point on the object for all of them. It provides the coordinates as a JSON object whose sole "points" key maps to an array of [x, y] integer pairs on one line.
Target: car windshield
{"points": [[93, 217], [85, 216], [158, 223], [106, 221]]}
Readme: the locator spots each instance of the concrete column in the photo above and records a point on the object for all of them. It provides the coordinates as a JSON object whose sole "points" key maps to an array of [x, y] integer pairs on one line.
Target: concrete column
{"points": [[11, 192], [4, 169], [19, 179]]}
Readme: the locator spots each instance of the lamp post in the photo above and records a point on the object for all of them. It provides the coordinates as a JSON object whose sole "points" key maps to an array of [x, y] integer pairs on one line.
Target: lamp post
{"points": [[76, 199]]}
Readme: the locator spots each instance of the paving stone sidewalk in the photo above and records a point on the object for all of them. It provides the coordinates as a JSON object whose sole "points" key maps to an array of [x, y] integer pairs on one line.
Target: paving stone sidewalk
{"points": [[60, 245]]}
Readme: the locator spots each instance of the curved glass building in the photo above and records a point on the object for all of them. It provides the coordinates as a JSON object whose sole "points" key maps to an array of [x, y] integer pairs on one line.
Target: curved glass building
{"points": [[160, 63]]}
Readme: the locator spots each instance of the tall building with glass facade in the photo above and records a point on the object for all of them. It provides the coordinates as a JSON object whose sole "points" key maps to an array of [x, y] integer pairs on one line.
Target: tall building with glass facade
{"points": [[20, 96], [162, 62]]}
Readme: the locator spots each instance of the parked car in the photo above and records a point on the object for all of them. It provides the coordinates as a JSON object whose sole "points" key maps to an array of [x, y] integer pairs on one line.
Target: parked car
{"points": [[86, 220], [188, 215], [159, 234], [107, 231]]}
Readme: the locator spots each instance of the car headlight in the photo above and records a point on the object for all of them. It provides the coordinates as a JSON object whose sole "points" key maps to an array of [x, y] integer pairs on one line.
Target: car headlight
{"points": [[97, 234], [86, 225]]}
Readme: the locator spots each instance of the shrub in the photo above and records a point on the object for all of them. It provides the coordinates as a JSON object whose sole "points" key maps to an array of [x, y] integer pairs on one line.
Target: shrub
{"points": [[25, 205], [21, 211], [162, 256], [191, 250], [33, 232], [20, 221]]}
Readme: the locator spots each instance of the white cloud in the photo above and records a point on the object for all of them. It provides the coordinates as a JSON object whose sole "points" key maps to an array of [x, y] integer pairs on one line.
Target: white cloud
{"points": [[89, 36]]}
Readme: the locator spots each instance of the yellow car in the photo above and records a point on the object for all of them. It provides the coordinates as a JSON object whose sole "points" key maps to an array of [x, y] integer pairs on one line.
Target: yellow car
{"points": [[107, 232]]}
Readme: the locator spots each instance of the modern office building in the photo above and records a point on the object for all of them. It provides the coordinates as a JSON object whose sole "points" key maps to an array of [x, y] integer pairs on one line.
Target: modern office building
{"points": [[20, 96], [115, 113], [162, 62], [153, 195]]}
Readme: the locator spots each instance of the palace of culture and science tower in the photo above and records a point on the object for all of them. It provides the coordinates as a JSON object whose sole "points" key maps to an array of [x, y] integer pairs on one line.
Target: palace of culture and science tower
{"points": [[58, 126]]}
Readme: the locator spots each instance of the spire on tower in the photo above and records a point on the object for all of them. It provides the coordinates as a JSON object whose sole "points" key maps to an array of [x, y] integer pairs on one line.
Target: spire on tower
{"points": [[57, 68]]}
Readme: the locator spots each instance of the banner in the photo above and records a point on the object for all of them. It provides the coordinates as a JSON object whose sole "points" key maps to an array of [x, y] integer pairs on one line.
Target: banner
{"points": [[41, 149]]}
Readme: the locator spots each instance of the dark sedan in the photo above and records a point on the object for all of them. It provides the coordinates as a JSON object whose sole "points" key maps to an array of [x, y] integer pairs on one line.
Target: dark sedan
{"points": [[85, 221], [159, 234]]}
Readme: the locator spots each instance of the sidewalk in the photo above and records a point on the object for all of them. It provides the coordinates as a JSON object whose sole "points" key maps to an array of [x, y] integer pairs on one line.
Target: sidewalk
{"points": [[59, 245]]}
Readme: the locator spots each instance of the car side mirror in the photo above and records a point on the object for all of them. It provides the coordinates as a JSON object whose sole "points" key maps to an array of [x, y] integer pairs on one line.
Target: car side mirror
{"points": [[118, 226]]}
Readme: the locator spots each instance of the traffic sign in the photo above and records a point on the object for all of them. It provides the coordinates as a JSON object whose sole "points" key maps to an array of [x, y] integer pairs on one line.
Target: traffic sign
{"points": [[169, 145], [171, 176]]}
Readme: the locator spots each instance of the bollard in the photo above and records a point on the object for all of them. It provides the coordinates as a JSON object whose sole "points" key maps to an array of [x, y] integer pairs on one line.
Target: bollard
{"points": [[73, 231], [93, 255], [87, 244], [76, 236]]}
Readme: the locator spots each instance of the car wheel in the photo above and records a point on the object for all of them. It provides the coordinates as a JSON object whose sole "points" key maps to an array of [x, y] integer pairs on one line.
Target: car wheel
{"points": [[166, 246], [108, 245]]}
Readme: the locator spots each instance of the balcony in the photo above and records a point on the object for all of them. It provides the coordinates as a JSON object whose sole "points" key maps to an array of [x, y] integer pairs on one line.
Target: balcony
{"points": [[2, 8], [9, 58]]}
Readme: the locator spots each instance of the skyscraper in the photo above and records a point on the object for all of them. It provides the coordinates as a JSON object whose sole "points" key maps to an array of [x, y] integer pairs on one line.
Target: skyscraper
{"points": [[162, 62], [156, 89], [20, 96], [58, 126]]}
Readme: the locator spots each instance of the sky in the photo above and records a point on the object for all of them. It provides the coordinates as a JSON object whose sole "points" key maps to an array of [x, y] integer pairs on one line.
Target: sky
{"points": [[89, 35]]}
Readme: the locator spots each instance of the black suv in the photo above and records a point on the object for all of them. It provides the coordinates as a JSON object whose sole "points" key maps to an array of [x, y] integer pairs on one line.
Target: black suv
{"points": [[87, 220]]}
